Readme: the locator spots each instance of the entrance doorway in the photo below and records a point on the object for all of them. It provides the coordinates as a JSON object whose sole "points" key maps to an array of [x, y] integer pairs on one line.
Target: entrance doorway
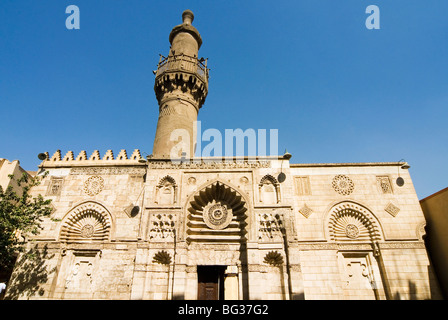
{"points": [[211, 282]]}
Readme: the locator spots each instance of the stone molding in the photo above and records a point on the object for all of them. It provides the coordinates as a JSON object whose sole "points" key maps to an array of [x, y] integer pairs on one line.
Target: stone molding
{"points": [[206, 164], [107, 171]]}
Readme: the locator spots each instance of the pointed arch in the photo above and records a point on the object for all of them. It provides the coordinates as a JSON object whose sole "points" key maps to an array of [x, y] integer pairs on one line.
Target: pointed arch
{"points": [[166, 191], [268, 179], [350, 221], [269, 190], [87, 222]]}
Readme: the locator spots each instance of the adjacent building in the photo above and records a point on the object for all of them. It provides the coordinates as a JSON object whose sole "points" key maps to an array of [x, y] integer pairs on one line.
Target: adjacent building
{"points": [[435, 209]]}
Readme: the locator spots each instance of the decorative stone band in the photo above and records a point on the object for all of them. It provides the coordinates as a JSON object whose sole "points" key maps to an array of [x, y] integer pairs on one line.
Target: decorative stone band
{"points": [[204, 164], [108, 171], [361, 246]]}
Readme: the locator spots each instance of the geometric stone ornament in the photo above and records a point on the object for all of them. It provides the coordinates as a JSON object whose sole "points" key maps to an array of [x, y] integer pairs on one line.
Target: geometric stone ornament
{"points": [[162, 227], [392, 209], [93, 185], [54, 189], [302, 185], [343, 184], [383, 183], [271, 227], [305, 211]]}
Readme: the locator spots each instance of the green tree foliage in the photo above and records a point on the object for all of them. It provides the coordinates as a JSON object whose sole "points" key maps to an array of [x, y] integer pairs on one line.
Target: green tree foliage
{"points": [[20, 216]]}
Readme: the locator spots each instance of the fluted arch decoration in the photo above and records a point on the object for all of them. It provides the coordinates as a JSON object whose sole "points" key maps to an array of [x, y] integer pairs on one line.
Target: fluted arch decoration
{"points": [[166, 191], [352, 222], [216, 212], [87, 222], [269, 185]]}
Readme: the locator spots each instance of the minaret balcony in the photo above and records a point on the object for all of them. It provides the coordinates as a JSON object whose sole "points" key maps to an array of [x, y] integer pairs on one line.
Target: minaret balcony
{"points": [[185, 64]]}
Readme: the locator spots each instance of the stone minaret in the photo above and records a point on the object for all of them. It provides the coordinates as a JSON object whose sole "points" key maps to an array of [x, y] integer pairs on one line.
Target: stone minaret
{"points": [[181, 86]]}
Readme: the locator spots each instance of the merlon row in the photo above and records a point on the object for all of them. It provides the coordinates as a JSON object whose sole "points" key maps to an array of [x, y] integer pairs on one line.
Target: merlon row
{"points": [[109, 155]]}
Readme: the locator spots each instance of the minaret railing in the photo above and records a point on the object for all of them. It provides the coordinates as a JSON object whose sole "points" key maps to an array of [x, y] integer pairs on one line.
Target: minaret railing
{"points": [[183, 63]]}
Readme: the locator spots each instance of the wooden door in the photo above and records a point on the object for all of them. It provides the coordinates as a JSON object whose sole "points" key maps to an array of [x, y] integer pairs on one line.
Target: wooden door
{"points": [[210, 282]]}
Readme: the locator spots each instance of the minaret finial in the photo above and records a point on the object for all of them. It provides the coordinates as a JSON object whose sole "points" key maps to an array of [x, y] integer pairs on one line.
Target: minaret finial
{"points": [[187, 17]]}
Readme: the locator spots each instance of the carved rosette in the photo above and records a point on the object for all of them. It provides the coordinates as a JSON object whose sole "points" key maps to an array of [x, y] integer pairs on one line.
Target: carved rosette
{"points": [[217, 215], [342, 184], [93, 185]]}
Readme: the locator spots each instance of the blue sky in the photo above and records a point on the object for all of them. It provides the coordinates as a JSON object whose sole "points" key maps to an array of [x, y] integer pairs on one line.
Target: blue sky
{"points": [[336, 91]]}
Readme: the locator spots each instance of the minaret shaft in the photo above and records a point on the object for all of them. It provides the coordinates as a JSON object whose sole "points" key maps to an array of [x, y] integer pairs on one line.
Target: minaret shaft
{"points": [[181, 87]]}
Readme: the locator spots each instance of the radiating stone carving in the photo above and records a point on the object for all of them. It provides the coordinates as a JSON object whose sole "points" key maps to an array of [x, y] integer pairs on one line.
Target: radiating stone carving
{"points": [[216, 212], [350, 221], [87, 222], [191, 180]]}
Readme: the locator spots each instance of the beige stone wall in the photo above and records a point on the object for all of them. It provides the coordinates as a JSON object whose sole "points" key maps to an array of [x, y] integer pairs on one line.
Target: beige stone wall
{"points": [[291, 247], [323, 197]]}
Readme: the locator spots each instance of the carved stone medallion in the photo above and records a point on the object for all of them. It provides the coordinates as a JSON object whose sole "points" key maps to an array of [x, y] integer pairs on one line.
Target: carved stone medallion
{"points": [[93, 185], [352, 231], [343, 184], [217, 215], [87, 231]]}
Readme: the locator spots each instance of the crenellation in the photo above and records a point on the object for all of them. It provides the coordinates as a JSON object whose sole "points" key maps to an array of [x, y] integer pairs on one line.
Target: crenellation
{"points": [[109, 155], [94, 160], [68, 156], [82, 156], [95, 156], [56, 156]]}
